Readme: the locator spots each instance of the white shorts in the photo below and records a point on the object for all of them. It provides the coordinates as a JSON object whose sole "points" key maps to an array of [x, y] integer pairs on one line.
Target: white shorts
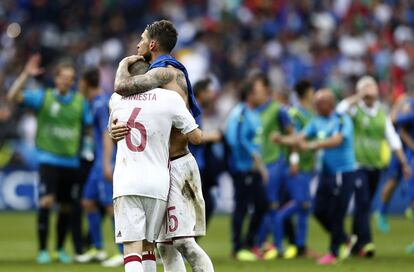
{"points": [[138, 218], [186, 210]]}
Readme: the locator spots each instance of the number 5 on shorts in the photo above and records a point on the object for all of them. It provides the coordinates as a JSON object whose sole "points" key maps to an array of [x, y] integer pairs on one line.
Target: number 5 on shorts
{"points": [[172, 220]]}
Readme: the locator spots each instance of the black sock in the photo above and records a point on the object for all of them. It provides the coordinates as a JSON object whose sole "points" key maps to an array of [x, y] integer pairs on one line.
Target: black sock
{"points": [[43, 227], [76, 227], [62, 228]]}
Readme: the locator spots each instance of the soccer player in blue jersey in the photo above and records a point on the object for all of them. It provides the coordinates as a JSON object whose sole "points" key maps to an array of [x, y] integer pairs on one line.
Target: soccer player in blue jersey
{"points": [[405, 120], [62, 115], [98, 187], [299, 183]]}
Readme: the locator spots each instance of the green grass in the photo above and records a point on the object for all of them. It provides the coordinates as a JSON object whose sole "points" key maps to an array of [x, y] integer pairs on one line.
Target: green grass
{"points": [[18, 248]]}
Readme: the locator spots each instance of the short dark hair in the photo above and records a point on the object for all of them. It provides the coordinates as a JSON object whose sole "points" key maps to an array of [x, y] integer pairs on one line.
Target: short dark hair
{"points": [[302, 86], [201, 86], [260, 77], [139, 68], [91, 77], [164, 32], [246, 89], [63, 65]]}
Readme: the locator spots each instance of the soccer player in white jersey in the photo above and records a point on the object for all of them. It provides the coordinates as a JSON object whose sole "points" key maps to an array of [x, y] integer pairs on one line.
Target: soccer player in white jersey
{"points": [[141, 176]]}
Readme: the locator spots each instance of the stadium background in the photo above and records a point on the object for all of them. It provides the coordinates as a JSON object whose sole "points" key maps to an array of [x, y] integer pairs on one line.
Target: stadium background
{"points": [[331, 43]]}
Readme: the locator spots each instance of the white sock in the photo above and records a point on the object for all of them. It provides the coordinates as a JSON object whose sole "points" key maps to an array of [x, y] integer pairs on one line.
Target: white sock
{"points": [[148, 261], [194, 254], [171, 258], [133, 263]]}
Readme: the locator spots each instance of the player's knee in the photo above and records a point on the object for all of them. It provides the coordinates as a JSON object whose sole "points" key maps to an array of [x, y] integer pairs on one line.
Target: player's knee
{"points": [[305, 206], [65, 207], [88, 205], [132, 247], [147, 246], [184, 245], [110, 210], [46, 202]]}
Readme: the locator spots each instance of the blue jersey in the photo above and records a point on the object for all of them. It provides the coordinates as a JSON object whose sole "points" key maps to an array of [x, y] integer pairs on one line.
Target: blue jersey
{"points": [[198, 151], [243, 126], [100, 112], [406, 119], [33, 99], [338, 159]]}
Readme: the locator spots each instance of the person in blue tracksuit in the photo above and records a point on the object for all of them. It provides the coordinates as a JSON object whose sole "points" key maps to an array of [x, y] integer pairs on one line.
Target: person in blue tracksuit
{"points": [[248, 171]]}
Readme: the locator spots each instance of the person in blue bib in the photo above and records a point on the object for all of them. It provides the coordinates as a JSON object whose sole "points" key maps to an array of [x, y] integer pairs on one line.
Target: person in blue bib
{"points": [[62, 116], [155, 46]]}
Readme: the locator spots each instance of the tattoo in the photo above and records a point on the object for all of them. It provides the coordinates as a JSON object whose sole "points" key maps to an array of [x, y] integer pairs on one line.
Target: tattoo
{"points": [[127, 84], [181, 81]]}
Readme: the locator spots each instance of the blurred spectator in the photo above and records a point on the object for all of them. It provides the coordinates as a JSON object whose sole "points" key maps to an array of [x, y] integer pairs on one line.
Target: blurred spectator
{"points": [[329, 42]]}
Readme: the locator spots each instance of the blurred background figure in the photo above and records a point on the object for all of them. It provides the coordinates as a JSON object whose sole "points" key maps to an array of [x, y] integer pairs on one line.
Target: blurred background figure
{"points": [[274, 119], [298, 185], [374, 136], [98, 188], [62, 115], [248, 170]]}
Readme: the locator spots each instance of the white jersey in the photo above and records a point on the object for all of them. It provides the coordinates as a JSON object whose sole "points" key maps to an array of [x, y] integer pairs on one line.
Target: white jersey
{"points": [[142, 158]]}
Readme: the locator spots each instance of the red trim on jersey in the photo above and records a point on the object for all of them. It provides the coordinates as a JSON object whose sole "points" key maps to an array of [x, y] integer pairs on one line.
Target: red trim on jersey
{"points": [[132, 258]]}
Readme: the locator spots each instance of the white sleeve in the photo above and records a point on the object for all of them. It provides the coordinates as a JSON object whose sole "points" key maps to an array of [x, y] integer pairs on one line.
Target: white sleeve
{"points": [[391, 135], [111, 104], [181, 116], [345, 107]]}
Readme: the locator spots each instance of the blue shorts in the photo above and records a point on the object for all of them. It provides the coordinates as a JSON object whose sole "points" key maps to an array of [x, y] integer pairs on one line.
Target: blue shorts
{"points": [[277, 173], [97, 188], [299, 187]]}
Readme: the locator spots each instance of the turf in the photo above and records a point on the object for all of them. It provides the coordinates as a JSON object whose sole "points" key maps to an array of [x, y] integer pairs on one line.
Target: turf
{"points": [[18, 247]]}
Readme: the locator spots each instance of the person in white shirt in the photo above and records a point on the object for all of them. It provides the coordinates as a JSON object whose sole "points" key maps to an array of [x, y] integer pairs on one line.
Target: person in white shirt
{"points": [[141, 176], [374, 136]]}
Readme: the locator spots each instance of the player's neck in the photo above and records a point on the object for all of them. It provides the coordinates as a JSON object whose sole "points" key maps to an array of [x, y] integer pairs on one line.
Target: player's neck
{"points": [[306, 104], [157, 54], [93, 93]]}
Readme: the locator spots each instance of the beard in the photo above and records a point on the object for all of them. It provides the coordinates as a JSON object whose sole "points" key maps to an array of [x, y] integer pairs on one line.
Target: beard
{"points": [[147, 56]]}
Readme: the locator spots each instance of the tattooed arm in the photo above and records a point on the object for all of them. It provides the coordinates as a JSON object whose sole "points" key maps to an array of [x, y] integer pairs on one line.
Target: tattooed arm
{"points": [[127, 84]]}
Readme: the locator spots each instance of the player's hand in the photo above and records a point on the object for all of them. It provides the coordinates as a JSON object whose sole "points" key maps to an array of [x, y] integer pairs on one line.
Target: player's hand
{"points": [[294, 169], [276, 138], [264, 174], [118, 131], [406, 170], [32, 67], [132, 59], [108, 172]]}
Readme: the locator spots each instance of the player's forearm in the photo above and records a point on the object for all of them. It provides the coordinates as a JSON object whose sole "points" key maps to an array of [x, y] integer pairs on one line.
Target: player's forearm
{"points": [[15, 93], [107, 148], [127, 84], [331, 142], [405, 137], [195, 137], [401, 156]]}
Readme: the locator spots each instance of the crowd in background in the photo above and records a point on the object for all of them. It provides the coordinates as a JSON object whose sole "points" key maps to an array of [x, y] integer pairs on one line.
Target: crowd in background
{"points": [[331, 43]]}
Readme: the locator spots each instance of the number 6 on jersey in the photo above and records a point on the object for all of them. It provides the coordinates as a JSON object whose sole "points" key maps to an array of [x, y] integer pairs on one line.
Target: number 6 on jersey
{"points": [[137, 125]]}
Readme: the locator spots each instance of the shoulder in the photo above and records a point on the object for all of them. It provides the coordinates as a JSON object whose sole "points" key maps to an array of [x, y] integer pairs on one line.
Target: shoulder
{"points": [[114, 99]]}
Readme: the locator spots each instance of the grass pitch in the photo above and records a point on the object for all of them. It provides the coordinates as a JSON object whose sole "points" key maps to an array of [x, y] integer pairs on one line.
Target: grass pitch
{"points": [[18, 246]]}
